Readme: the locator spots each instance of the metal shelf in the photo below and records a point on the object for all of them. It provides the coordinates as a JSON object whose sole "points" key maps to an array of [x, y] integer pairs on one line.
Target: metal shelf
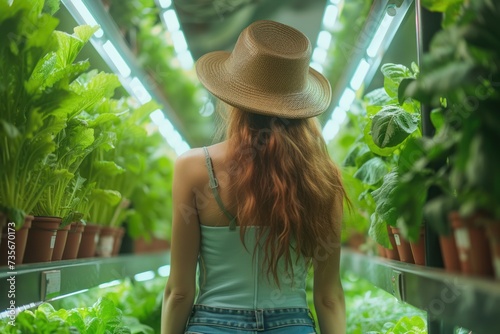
{"points": [[470, 302], [69, 276]]}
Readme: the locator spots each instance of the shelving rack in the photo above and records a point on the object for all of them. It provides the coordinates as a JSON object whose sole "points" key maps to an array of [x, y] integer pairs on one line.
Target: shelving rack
{"points": [[449, 299], [454, 299], [38, 282]]}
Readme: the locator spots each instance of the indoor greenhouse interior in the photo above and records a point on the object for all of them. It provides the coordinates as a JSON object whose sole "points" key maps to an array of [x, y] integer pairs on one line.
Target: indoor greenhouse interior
{"points": [[99, 97]]}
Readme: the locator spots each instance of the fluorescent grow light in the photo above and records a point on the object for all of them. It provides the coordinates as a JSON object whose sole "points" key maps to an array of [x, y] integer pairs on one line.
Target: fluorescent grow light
{"points": [[164, 271], [379, 36], [140, 92], [171, 20], [87, 17], [165, 3], [117, 59], [360, 74], [144, 276], [330, 16], [346, 99]]}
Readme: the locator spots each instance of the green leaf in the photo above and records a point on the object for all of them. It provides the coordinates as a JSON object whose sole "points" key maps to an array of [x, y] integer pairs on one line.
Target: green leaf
{"points": [[110, 197], [393, 75], [391, 126], [384, 198], [437, 118], [9, 129], [372, 171], [378, 231], [368, 139]]}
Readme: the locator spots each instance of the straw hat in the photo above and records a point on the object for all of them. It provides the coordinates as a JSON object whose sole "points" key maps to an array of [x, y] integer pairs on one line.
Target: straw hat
{"points": [[267, 73]]}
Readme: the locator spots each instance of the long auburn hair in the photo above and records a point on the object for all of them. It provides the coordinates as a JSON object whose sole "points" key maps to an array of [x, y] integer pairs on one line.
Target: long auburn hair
{"points": [[284, 181]]}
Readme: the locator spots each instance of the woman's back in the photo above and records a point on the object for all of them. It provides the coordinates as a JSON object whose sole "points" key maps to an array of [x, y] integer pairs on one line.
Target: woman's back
{"points": [[275, 205]]}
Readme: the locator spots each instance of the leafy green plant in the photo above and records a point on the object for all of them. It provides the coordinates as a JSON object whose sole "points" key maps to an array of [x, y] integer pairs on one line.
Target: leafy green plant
{"points": [[461, 82], [73, 144], [137, 300], [102, 317], [148, 38], [387, 126], [38, 65]]}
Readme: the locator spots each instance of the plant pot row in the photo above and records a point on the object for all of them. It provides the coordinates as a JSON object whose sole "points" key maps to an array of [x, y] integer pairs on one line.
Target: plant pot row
{"points": [[403, 250], [42, 239], [473, 248]]}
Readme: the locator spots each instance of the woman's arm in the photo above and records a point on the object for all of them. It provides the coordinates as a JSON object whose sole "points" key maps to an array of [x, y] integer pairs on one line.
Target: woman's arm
{"points": [[181, 286], [328, 293]]}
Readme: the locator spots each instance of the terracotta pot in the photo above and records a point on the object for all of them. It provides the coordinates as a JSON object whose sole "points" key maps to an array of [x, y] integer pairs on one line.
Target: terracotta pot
{"points": [[493, 231], [393, 253], [418, 248], [62, 236], [356, 240], [17, 238], [151, 246], [41, 239], [73, 241], [120, 233], [472, 245], [106, 241], [381, 251], [90, 238], [404, 249], [449, 253]]}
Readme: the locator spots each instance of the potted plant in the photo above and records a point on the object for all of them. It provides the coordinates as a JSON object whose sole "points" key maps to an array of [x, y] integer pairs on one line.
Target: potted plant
{"points": [[461, 79], [38, 65], [73, 144], [388, 128]]}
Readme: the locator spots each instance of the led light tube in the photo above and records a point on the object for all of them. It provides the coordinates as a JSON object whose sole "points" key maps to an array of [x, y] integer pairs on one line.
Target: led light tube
{"points": [[117, 60]]}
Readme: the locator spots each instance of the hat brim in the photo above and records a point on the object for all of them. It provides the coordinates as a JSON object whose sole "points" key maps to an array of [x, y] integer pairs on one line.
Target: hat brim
{"points": [[313, 100]]}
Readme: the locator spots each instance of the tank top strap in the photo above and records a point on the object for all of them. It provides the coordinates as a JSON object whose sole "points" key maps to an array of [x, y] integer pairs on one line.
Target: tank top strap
{"points": [[214, 184]]}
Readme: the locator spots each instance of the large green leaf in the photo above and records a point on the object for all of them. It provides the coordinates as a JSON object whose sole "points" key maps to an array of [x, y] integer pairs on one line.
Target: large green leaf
{"points": [[384, 198], [372, 171], [368, 139], [393, 75], [392, 125], [378, 231]]}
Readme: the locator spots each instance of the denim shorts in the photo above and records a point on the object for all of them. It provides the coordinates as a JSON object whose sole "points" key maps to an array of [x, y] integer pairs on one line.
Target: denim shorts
{"points": [[212, 320]]}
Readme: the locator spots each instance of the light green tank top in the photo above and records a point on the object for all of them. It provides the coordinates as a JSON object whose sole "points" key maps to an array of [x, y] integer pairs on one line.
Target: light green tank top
{"points": [[230, 277]]}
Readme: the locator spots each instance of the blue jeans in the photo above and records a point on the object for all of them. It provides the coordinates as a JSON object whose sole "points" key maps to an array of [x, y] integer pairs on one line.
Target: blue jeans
{"points": [[216, 320]]}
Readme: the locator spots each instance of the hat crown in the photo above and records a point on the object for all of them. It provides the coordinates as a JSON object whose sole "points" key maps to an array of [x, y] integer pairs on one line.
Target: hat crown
{"points": [[272, 57]]}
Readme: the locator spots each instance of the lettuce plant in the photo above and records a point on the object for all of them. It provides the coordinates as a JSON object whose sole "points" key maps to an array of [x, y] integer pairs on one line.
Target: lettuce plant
{"points": [[115, 169], [73, 144], [37, 66]]}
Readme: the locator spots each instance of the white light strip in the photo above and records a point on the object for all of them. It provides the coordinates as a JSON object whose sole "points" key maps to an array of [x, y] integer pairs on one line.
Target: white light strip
{"points": [[140, 91], [324, 39], [165, 3], [117, 60], [318, 67], [338, 115], [109, 284], [173, 137], [179, 41], [157, 116], [87, 16], [319, 55], [360, 74], [330, 130], [164, 271], [145, 276], [171, 20], [70, 294], [330, 16], [346, 99], [186, 60], [379, 36]]}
